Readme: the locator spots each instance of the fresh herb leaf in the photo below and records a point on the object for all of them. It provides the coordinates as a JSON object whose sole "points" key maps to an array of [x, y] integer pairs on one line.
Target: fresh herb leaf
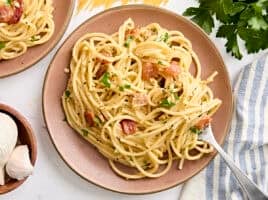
{"points": [[67, 93], [106, 80], [230, 33], [195, 130], [9, 2], [166, 103], [202, 17], [85, 132], [254, 40], [2, 45], [127, 42], [247, 19]]}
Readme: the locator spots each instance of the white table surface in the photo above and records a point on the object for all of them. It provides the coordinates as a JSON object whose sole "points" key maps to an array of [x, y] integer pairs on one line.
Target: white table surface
{"points": [[52, 179]]}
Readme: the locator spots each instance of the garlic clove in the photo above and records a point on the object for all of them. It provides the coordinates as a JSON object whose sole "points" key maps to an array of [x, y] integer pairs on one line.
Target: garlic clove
{"points": [[8, 140], [19, 165]]}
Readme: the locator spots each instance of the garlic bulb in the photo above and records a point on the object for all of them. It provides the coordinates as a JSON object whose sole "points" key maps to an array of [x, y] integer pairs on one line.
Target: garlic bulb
{"points": [[19, 165], [8, 140]]}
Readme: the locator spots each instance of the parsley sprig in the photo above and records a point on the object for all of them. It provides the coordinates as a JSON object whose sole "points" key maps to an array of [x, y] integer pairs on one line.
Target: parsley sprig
{"points": [[247, 19], [167, 104]]}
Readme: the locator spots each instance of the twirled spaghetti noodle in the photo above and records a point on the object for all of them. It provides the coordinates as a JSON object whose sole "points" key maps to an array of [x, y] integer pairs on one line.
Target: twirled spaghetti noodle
{"points": [[35, 27], [132, 96]]}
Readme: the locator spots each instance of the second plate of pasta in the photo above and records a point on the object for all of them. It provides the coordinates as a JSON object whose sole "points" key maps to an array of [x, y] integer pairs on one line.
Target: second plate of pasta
{"points": [[30, 31], [139, 89]]}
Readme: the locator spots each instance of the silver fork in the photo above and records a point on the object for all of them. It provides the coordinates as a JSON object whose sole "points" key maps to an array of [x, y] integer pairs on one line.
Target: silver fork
{"points": [[250, 188]]}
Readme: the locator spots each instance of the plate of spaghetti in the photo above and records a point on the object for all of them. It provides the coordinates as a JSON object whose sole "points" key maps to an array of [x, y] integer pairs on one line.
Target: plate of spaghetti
{"points": [[29, 29], [127, 95]]}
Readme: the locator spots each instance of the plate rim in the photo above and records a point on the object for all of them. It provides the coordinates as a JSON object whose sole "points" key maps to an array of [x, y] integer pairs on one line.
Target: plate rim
{"points": [[54, 44], [178, 16]]}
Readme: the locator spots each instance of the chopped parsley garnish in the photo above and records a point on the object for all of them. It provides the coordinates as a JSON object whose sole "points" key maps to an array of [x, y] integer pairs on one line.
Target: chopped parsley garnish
{"points": [[9, 2], [176, 96], [2, 45], [97, 121], [67, 93], [127, 86], [195, 130], [164, 37], [166, 103], [106, 80], [34, 38], [160, 62], [127, 42], [85, 132], [122, 88]]}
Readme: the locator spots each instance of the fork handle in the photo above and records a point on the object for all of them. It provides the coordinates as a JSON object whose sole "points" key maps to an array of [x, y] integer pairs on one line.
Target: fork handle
{"points": [[252, 190]]}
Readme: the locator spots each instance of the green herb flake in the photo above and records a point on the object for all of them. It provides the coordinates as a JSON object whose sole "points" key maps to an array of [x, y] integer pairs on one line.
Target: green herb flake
{"points": [[2, 45], [85, 132], [164, 37], [121, 88], [195, 130], [160, 62], [67, 93], [176, 96], [97, 121], [127, 86], [167, 104], [106, 80], [8, 2], [33, 38], [127, 42]]}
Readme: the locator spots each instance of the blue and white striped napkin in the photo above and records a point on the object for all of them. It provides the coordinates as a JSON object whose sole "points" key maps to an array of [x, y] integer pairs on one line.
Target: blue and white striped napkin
{"points": [[247, 142]]}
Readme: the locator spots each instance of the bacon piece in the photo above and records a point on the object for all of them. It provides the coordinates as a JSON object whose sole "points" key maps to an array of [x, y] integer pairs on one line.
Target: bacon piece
{"points": [[139, 99], [89, 116], [11, 14], [203, 123], [149, 70], [132, 32], [173, 70], [128, 126], [101, 71]]}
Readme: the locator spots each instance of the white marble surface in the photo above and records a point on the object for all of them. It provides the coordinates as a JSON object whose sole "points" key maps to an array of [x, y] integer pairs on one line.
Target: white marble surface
{"points": [[52, 179]]}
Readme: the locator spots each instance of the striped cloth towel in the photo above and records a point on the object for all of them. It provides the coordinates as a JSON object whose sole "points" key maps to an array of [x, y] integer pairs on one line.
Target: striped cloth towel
{"points": [[247, 142]]}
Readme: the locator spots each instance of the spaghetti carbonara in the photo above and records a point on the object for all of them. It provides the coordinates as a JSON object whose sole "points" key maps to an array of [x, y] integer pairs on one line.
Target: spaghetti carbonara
{"points": [[36, 26], [131, 95]]}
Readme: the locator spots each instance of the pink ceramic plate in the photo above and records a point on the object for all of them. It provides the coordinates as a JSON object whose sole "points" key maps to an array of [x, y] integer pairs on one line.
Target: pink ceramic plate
{"points": [[62, 14], [78, 154]]}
